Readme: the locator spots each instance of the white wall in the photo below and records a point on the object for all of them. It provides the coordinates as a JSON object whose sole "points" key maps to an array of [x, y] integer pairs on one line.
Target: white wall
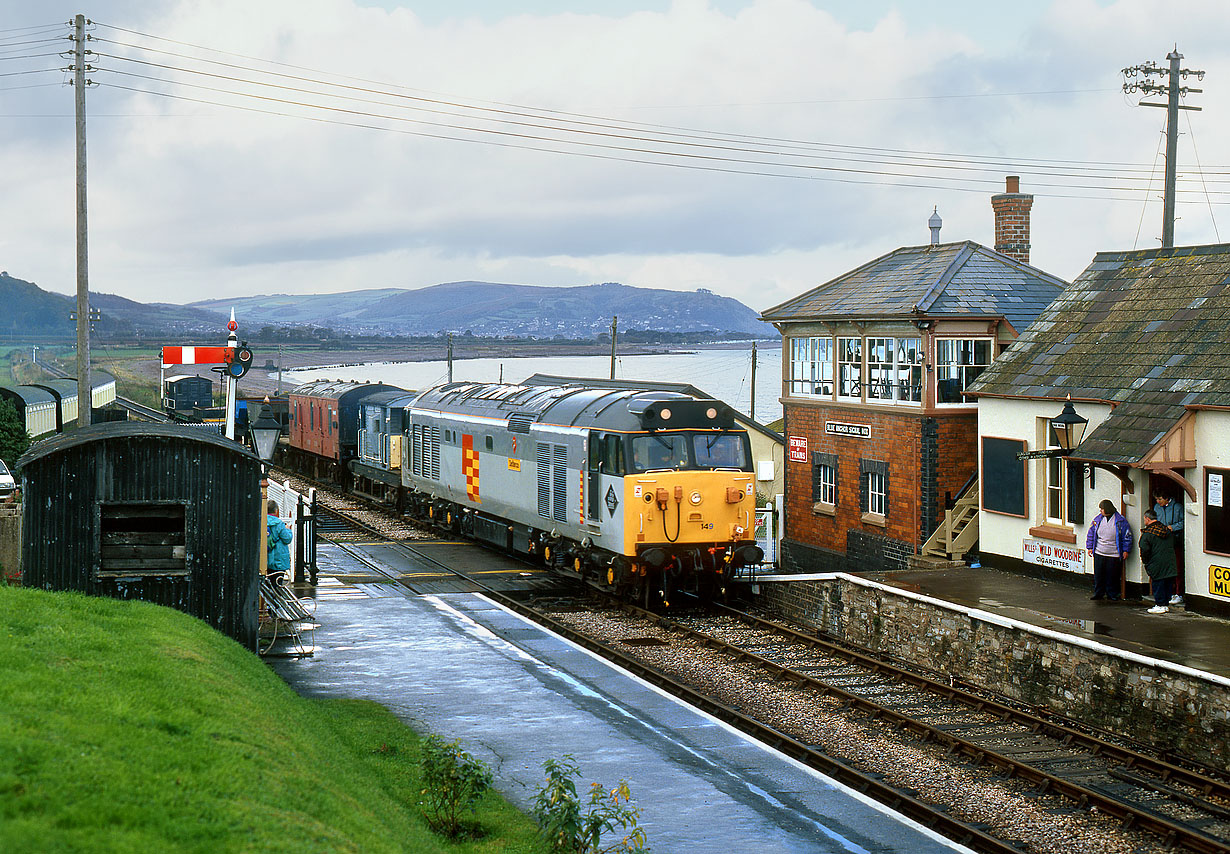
{"points": [[1212, 449]]}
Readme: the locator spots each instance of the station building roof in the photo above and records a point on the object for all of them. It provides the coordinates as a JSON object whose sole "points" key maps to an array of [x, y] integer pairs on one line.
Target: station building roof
{"points": [[1146, 331]]}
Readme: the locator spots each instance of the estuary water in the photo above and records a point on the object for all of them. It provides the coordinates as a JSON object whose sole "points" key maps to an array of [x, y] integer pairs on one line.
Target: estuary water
{"points": [[726, 374]]}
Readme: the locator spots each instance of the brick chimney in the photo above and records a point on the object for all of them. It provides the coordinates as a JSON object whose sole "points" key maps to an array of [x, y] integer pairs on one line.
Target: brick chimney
{"points": [[1012, 220]]}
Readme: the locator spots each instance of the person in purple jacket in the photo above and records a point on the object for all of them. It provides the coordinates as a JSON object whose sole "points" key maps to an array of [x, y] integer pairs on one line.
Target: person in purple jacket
{"points": [[1109, 540]]}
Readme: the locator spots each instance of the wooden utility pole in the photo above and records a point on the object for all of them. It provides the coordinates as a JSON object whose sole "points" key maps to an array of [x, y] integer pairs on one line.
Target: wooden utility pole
{"points": [[614, 335], [752, 414], [450, 357], [85, 390], [1172, 90]]}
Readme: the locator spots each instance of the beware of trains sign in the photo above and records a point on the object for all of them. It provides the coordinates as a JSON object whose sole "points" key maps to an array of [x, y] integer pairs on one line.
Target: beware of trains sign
{"points": [[798, 449]]}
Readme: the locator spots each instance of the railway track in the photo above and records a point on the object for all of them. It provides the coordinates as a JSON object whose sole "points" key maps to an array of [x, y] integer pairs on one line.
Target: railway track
{"points": [[1182, 808], [930, 815]]}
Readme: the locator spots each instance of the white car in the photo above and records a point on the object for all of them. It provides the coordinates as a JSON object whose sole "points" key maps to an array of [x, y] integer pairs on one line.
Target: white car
{"points": [[7, 485]]}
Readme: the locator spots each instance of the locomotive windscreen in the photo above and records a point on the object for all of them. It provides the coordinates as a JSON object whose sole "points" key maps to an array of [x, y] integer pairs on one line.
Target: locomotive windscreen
{"points": [[687, 450]]}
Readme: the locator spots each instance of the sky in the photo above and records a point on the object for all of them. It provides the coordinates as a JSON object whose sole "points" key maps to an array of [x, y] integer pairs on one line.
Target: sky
{"points": [[755, 148]]}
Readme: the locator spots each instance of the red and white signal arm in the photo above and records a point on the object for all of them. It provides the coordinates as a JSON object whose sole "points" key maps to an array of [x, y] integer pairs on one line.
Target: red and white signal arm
{"points": [[197, 356], [797, 447]]}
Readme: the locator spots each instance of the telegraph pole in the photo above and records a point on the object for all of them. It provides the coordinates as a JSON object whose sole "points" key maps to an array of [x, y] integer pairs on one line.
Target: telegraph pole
{"points": [[752, 414], [85, 390], [450, 357], [1147, 71], [614, 335]]}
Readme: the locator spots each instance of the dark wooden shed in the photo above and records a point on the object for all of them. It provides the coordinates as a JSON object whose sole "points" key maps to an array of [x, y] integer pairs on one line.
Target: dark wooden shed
{"points": [[149, 511]]}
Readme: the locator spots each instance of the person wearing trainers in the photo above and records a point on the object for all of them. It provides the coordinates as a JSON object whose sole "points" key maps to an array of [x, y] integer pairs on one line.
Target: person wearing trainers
{"points": [[1158, 556], [1170, 513], [1108, 540]]}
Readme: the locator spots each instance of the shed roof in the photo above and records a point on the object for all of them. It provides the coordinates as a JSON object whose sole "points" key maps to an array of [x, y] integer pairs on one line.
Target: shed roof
{"points": [[125, 429], [946, 280], [1147, 331]]}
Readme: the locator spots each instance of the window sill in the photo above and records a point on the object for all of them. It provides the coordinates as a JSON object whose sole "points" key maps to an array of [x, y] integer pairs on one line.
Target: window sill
{"points": [[1054, 532], [822, 509], [874, 519]]}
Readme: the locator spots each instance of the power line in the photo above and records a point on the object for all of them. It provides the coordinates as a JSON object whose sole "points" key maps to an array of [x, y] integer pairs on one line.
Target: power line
{"points": [[589, 119]]}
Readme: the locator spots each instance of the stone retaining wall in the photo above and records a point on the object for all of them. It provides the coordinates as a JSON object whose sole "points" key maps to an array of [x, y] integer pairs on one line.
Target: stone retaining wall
{"points": [[1163, 705], [10, 540]]}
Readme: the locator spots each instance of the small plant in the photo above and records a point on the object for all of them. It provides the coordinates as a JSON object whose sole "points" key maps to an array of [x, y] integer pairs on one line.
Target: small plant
{"points": [[569, 828], [453, 781]]}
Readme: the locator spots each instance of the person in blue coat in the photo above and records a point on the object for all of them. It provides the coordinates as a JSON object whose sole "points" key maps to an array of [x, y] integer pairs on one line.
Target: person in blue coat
{"points": [[1108, 540], [278, 538]]}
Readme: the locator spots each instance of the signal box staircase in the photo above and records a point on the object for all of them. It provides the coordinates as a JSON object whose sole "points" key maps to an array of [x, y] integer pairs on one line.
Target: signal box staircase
{"points": [[957, 534]]}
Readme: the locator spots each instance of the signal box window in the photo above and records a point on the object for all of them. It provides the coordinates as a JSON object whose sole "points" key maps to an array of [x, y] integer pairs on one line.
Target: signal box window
{"points": [[824, 483], [874, 488], [958, 362]]}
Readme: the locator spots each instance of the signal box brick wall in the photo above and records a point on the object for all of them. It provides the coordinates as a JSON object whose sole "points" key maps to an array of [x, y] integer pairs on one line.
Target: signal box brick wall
{"points": [[928, 458], [1168, 709]]}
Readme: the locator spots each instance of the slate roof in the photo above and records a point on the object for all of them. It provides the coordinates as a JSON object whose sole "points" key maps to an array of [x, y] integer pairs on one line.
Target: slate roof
{"points": [[1148, 331], [946, 280]]}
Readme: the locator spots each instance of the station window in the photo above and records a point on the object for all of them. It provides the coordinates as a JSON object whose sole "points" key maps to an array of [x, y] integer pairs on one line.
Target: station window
{"points": [[1056, 480]]}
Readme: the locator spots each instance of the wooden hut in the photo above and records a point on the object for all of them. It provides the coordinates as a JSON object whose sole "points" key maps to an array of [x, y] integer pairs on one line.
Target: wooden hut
{"points": [[147, 511]]}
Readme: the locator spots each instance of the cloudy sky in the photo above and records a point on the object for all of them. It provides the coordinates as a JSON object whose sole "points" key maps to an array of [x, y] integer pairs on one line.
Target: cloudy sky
{"points": [[753, 147]]}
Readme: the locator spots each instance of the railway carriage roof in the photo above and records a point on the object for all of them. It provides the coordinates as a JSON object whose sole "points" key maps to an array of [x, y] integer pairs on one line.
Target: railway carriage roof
{"points": [[566, 405], [394, 398], [337, 389], [28, 394], [64, 388]]}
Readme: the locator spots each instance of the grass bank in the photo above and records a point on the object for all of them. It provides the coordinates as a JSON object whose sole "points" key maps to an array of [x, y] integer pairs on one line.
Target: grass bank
{"points": [[126, 727]]}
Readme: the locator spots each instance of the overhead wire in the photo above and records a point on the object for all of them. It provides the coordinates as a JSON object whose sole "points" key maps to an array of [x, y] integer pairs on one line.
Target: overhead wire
{"points": [[576, 133], [1192, 134], [600, 120], [711, 140]]}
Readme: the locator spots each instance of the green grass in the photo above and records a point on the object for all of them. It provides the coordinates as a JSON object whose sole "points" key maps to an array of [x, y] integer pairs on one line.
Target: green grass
{"points": [[126, 727]]}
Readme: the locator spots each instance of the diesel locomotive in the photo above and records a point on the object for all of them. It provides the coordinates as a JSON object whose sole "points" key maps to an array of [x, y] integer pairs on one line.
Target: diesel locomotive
{"points": [[644, 492]]}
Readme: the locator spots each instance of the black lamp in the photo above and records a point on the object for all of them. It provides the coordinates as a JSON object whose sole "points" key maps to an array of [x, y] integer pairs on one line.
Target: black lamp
{"points": [[265, 432], [1069, 427]]}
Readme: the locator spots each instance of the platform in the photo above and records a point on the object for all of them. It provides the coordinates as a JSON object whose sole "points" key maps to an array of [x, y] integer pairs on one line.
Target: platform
{"points": [[459, 665], [1191, 640]]}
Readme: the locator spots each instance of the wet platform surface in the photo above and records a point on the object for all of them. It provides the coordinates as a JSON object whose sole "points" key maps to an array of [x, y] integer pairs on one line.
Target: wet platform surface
{"points": [[1192, 640], [460, 666]]}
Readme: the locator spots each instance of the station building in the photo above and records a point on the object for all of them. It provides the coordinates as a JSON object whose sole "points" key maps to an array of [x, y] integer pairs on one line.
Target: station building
{"points": [[880, 436], [1140, 342]]}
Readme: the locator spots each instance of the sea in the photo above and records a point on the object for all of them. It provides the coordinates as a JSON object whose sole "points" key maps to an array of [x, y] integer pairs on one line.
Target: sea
{"points": [[724, 373]]}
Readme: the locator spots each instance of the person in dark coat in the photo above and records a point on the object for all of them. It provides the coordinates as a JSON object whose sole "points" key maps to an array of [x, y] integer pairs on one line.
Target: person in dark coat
{"points": [[1158, 555], [1108, 540], [279, 538]]}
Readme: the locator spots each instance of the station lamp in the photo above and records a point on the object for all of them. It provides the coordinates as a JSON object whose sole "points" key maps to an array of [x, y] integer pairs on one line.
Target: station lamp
{"points": [[265, 432], [1069, 428]]}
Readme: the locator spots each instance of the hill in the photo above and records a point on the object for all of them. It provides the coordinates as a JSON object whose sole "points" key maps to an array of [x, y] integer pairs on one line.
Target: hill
{"points": [[495, 309]]}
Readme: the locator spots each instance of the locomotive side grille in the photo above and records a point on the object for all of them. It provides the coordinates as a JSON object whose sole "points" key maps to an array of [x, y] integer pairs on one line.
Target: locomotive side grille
{"points": [[434, 444], [416, 450], [560, 505], [544, 480]]}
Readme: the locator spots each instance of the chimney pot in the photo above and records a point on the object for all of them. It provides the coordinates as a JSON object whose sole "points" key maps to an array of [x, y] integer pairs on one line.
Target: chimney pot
{"points": [[1013, 183]]}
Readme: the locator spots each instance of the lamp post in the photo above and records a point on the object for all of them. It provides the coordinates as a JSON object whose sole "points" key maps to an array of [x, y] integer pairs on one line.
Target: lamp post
{"points": [[265, 432], [1069, 428]]}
